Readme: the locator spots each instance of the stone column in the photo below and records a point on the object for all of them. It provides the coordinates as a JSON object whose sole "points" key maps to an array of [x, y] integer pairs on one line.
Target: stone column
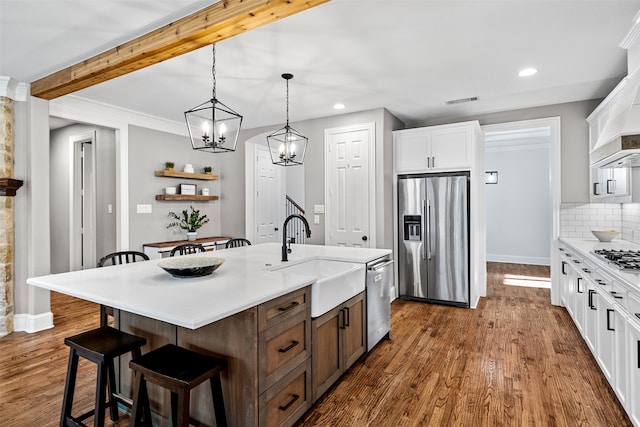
{"points": [[8, 187]]}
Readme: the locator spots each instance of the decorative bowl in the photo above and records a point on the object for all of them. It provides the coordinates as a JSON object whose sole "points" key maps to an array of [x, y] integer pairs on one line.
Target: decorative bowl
{"points": [[170, 190], [606, 235], [183, 267]]}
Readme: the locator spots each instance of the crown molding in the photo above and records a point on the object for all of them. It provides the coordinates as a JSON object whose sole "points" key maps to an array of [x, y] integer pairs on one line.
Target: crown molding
{"points": [[13, 89]]}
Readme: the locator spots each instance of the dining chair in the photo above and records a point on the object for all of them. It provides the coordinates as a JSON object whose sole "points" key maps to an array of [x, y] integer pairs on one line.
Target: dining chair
{"points": [[116, 258], [186, 249], [237, 242]]}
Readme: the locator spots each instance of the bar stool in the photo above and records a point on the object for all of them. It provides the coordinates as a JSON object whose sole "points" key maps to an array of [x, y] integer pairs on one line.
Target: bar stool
{"points": [[100, 346], [179, 370]]}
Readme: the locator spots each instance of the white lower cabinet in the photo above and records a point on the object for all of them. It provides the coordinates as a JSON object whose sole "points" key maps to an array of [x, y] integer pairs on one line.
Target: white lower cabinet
{"points": [[605, 337], [633, 371], [607, 313], [589, 330]]}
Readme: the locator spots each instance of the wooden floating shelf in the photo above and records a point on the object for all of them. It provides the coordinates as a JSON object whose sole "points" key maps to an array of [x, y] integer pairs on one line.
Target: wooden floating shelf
{"points": [[187, 197], [176, 174]]}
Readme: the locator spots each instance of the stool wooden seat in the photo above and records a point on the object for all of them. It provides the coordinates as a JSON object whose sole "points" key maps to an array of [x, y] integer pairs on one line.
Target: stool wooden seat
{"points": [[179, 370], [100, 346]]}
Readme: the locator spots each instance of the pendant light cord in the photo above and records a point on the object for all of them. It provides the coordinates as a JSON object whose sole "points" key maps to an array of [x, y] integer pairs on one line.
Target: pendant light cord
{"points": [[287, 102], [213, 72]]}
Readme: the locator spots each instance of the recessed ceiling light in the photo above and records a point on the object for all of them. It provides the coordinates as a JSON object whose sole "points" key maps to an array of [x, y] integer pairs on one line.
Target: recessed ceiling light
{"points": [[527, 72], [339, 106]]}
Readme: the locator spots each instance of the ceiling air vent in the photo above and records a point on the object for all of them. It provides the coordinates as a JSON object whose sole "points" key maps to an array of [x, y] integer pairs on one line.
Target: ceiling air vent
{"points": [[462, 100]]}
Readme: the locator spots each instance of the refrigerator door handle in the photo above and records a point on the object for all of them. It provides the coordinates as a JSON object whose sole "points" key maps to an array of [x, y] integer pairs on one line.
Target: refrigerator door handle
{"points": [[424, 230], [427, 240]]}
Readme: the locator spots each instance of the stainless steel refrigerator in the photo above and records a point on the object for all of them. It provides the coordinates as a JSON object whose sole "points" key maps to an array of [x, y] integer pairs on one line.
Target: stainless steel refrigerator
{"points": [[433, 238]]}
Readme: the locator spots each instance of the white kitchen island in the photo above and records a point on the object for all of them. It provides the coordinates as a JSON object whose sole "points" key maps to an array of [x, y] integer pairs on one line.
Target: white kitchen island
{"points": [[242, 312]]}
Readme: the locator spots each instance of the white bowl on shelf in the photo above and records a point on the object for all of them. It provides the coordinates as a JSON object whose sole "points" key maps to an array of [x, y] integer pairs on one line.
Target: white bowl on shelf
{"points": [[606, 235], [170, 190]]}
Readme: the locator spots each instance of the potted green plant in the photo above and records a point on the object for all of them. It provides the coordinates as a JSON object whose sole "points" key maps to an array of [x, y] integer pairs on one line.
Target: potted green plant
{"points": [[207, 170], [188, 221], [169, 166]]}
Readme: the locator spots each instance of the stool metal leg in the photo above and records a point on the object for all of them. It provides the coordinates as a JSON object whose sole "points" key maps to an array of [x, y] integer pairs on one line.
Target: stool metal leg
{"points": [[69, 387], [218, 401]]}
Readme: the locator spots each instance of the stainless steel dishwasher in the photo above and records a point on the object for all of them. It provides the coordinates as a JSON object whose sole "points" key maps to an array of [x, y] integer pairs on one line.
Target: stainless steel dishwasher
{"points": [[379, 281]]}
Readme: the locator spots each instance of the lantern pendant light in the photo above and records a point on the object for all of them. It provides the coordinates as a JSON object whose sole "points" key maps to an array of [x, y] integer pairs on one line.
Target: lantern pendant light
{"points": [[286, 145], [213, 127]]}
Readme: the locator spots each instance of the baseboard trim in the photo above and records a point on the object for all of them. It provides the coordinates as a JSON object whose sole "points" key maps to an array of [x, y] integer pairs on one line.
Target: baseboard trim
{"points": [[32, 322]]}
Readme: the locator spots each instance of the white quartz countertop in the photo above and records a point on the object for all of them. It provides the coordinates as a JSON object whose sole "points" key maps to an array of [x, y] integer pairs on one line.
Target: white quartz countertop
{"points": [[587, 246], [243, 281]]}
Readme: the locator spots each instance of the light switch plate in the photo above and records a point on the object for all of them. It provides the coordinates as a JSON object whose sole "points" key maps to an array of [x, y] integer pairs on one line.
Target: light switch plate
{"points": [[316, 219], [144, 209], [319, 209]]}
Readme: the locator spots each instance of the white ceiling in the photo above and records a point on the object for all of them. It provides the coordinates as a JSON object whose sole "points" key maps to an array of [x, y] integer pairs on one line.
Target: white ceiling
{"points": [[409, 56]]}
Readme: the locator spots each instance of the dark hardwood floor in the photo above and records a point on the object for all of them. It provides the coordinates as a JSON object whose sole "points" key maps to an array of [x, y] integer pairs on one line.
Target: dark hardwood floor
{"points": [[515, 361]]}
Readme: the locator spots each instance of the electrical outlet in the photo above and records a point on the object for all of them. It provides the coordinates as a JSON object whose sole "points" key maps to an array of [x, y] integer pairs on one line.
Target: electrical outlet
{"points": [[316, 219], [110, 208], [143, 209]]}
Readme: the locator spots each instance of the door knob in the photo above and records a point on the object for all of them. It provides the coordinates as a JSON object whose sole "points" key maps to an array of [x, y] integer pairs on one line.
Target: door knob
{"points": [[365, 238]]}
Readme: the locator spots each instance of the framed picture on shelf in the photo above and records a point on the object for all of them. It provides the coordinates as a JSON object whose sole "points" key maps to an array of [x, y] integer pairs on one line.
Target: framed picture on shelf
{"points": [[188, 189]]}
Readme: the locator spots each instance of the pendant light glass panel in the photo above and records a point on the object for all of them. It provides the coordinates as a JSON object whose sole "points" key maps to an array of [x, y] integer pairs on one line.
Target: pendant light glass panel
{"points": [[286, 145], [213, 127]]}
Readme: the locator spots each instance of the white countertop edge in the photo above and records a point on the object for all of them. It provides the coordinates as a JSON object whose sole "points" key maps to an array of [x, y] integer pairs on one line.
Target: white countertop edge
{"points": [[586, 246], [257, 263]]}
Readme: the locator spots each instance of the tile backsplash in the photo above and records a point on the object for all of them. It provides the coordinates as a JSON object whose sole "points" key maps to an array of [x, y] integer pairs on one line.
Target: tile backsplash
{"points": [[578, 219]]}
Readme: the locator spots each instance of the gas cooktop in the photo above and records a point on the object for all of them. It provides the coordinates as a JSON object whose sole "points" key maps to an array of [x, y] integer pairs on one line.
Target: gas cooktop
{"points": [[623, 259]]}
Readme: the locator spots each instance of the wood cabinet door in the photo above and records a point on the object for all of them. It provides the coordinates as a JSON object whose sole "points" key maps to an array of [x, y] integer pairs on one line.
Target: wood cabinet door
{"points": [[355, 332], [327, 360]]}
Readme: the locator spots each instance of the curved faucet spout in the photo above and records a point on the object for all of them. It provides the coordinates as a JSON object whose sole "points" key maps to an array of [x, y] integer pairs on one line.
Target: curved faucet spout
{"points": [[284, 233]]}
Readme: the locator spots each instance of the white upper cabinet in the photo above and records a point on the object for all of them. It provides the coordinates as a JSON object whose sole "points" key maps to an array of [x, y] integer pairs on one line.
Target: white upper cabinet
{"points": [[434, 149]]}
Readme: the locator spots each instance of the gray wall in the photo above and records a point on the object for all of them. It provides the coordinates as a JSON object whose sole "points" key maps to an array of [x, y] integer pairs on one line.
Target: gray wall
{"points": [[518, 207], [233, 199], [148, 151], [61, 166], [575, 140]]}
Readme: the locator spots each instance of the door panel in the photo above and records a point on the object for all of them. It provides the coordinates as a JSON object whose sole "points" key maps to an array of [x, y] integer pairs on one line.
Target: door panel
{"points": [[411, 221], [349, 189], [268, 197], [447, 244]]}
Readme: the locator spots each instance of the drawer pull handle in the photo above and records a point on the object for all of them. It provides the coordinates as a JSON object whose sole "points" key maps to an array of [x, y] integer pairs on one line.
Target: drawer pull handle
{"points": [[591, 292], [564, 264], [290, 306], [294, 397], [609, 328], [289, 347]]}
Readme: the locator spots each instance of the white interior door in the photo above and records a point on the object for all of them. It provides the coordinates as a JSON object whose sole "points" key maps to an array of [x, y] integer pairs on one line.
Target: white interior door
{"points": [[269, 197], [350, 186], [83, 209]]}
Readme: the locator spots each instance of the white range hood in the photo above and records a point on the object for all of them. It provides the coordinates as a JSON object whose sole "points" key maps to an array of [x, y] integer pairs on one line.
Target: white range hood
{"points": [[618, 144]]}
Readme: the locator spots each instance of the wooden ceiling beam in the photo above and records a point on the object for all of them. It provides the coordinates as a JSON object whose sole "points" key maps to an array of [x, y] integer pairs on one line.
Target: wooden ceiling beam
{"points": [[221, 20]]}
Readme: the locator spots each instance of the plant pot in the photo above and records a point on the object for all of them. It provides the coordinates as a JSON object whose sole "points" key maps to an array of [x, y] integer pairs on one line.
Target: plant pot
{"points": [[192, 235]]}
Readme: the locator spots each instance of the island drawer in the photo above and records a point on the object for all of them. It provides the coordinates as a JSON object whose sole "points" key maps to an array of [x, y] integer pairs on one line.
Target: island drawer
{"points": [[282, 308], [288, 399], [281, 348]]}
